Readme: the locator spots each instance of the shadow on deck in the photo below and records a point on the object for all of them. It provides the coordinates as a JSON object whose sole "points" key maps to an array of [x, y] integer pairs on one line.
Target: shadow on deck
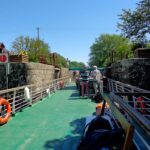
{"points": [[72, 87], [74, 96], [69, 142]]}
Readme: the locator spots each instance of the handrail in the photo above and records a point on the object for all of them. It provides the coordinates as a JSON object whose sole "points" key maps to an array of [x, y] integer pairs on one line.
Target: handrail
{"points": [[16, 96], [31, 85], [128, 86], [14, 89], [134, 103], [131, 94], [129, 110]]}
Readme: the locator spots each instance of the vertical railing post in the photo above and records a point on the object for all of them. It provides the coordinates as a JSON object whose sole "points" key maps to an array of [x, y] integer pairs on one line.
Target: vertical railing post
{"points": [[13, 103], [41, 89], [112, 86], [101, 87], [134, 99], [49, 89], [116, 87], [55, 83], [30, 101], [123, 90], [54, 86]]}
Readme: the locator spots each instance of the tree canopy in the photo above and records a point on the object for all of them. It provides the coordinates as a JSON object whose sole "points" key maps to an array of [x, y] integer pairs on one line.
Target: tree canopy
{"points": [[109, 48], [136, 24], [61, 60], [34, 47], [76, 64], [38, 51]]}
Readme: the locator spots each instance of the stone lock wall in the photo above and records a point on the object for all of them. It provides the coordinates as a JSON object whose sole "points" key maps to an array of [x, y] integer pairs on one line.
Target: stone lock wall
{"points": [[38, 73], [64, 72], [132, 71], [19, 74]]}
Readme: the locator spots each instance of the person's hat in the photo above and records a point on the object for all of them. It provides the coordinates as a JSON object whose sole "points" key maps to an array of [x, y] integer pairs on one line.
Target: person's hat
{"points": [[95, 67]]}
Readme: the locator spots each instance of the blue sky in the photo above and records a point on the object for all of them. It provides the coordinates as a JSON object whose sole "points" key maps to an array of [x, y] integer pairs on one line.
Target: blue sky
{"points": [[69, 26]]}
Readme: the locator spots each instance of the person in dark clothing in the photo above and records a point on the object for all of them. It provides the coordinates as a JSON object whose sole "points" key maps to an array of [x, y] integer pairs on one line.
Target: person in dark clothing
{"points": [[2, 48], [84, 86], [84, 73]]}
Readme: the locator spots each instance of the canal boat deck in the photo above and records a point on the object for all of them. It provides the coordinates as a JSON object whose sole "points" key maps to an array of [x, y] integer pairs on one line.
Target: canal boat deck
{"points": [[55, 123]]}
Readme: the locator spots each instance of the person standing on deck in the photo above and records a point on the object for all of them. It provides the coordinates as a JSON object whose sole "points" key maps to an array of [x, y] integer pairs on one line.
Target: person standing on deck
{"points": [[84, 73], [84, 84], [97, 76]]}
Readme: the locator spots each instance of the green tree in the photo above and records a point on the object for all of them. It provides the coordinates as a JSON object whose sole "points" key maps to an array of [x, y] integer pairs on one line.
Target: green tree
{"points": [[36, 49], [109, 48], [39, 50], [148, 45], [22, 43], [136, 24], [61, 61], [76, 64]]}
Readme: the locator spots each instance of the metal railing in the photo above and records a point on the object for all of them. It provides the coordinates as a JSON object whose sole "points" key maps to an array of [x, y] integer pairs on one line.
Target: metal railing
{"points": [[138, 98], [134, 104], [18, 101], [101, 86], [141, 124]]}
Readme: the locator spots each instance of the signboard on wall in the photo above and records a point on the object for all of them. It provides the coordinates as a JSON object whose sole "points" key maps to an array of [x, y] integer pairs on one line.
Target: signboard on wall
{"points": [[3, 58]]}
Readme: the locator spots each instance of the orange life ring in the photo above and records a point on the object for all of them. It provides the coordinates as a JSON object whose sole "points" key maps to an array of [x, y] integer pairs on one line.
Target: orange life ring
{"points": [[141, 104], [99, 105], [99, 108], [5, 119]]}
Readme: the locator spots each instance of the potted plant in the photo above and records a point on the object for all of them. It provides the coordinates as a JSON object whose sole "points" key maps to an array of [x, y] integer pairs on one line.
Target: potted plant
{"points": [[22, 57]]}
